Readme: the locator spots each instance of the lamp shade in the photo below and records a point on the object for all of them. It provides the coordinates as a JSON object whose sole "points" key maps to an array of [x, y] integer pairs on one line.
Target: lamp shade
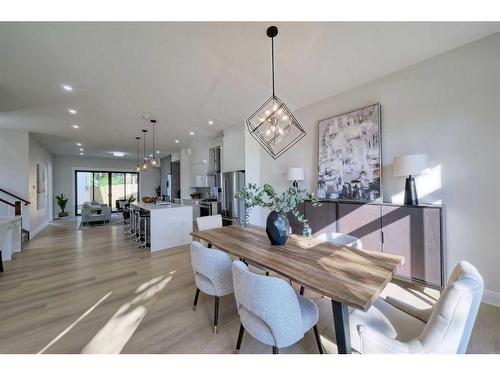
{"points": [[295, 174], [406, 165]]}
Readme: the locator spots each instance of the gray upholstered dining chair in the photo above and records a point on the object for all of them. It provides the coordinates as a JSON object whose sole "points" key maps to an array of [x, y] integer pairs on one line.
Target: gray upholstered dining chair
{"points": [[212, 275], [271, 311], [215, 221], [391, 326]]}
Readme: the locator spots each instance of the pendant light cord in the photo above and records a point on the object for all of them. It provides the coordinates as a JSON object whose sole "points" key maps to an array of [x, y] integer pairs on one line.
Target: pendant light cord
{"points": [[137, 144], [272, 60]]}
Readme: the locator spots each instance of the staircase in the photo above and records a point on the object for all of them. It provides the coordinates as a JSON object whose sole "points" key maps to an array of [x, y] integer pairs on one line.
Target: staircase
{"points": [[17, 203]]}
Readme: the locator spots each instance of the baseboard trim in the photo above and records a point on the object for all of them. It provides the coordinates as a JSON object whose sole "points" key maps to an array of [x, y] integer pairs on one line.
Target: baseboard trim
{"points": [[33, 233], [491, 298]]}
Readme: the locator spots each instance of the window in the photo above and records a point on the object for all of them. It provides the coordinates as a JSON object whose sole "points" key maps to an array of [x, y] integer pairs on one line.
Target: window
{"points": [[104, 187]]}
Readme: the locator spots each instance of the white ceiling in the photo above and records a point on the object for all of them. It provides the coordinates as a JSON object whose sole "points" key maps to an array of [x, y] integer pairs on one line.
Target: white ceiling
{"points": [[185, 74]]}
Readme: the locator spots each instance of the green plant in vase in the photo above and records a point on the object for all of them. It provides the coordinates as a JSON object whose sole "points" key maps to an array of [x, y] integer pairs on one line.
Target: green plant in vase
{"points": [[61, 202], [280, 205]]}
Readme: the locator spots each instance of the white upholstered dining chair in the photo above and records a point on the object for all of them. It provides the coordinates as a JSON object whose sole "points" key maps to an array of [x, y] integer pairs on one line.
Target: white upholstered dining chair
{"points": [[392, 326], [271, 311], [341, 239], [212, 275], [208, 222]]}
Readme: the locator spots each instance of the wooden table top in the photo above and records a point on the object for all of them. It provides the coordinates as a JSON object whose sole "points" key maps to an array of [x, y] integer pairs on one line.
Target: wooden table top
{"points": [[345, 274]]}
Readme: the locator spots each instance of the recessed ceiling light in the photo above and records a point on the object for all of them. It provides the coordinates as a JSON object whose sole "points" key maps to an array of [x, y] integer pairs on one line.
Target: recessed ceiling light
{"points": [[118, 153], [176, 141], [191, 133], [67, 87], [78, 144], [82, 149], [75, 126], [210, 122], [72, 111]]}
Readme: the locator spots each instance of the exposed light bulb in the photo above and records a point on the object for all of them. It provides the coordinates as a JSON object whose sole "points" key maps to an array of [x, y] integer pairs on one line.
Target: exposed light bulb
{"points": [[75, 126], [176, 141], [157, 151], [67, 88], [72, 111]]}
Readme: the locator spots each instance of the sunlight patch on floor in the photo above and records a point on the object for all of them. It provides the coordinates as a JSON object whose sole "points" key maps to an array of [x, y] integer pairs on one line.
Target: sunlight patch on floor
{"points": [[58, 337], [115, 334]]}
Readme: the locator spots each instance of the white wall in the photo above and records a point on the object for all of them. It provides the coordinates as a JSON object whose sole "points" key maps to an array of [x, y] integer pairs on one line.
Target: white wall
{"points": [[233, 149], [193, 160], [14, 161], [39, 218], [64, 175], [449, 108]]}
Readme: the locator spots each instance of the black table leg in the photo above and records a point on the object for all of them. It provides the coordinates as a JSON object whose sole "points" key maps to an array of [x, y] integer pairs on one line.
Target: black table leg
{"points": [[341, 323]]}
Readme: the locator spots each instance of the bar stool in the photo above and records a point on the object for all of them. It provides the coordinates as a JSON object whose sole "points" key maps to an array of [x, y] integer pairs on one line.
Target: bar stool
{"points": [[133, 224], [143, 229], [126, 219]]}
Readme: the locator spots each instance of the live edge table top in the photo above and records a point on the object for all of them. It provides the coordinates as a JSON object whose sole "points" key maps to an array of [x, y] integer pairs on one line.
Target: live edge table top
{"points": [[345, 274]]}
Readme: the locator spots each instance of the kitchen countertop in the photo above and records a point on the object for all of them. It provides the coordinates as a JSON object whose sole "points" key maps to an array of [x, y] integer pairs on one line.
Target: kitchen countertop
{"points": [[152, 206]]}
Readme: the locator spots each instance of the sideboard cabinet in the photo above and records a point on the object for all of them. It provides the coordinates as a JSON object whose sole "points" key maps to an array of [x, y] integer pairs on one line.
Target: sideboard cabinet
{"points": [[415, 232]]}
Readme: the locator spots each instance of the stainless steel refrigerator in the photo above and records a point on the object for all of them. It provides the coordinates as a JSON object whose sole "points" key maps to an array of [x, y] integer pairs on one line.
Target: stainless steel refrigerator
{"points": [[233, 210]]}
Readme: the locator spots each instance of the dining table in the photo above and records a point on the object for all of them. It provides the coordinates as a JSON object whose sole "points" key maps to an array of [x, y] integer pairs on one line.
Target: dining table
{"points": [[350, 277]]}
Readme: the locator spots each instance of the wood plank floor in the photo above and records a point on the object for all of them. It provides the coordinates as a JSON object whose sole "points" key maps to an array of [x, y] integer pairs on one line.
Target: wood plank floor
{"points": [[94, 291]]}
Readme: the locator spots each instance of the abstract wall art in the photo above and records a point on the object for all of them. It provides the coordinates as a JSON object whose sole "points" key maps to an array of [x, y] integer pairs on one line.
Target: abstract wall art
{"points": [[350, 155]]}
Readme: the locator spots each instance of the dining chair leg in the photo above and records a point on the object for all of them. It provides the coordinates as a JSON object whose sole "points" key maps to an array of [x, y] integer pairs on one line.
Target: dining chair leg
{"points": [[302, 290], [216, 314], [196, 295], [275, 350], [318, 339], [240, 338]]}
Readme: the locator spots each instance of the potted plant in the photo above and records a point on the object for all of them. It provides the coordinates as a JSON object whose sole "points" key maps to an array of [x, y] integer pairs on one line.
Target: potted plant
{"points": [[61, 202], [277, 225]]}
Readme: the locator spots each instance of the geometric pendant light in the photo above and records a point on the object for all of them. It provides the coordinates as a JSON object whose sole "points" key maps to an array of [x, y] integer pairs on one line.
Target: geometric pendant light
{"points": [[273, 125]]}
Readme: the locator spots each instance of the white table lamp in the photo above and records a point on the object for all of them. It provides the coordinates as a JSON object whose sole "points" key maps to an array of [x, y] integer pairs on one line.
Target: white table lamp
{"points": [[295, 174], [409, 166]]}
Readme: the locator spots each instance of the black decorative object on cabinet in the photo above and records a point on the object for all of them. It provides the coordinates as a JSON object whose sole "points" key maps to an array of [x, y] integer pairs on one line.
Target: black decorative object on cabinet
{"points": [[277, 228]]}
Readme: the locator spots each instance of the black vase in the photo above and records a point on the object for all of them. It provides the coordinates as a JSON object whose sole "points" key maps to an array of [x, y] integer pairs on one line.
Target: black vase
{"points": [[277, 228]]}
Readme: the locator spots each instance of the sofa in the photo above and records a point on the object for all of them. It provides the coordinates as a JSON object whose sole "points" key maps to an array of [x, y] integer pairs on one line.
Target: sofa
{"points": [[95, 212]]}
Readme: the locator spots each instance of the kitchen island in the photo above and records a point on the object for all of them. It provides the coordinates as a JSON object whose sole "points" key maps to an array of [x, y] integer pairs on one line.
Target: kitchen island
{"points": [[170, 224]]}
